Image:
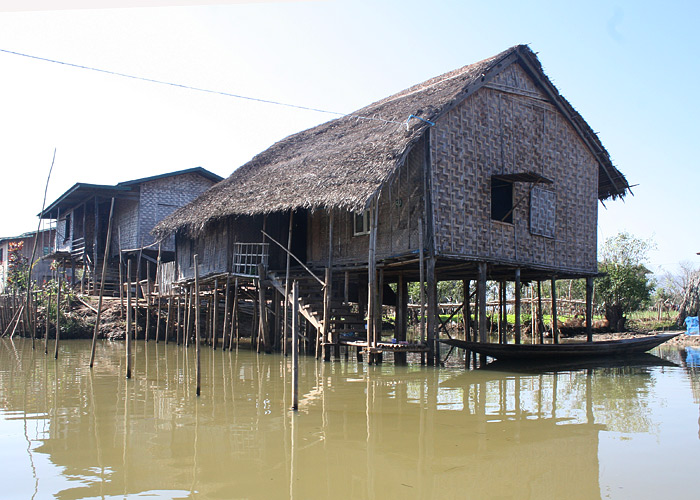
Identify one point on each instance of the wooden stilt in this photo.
(466, 318)
(234, 318)
(198, 343)
(401, 324)
(147, 331)
(482, 302)
(540, 322)
(47, 315)
(190, 315)
(225, 330)
(432, 333)
(286, 282)
(168, 318)
(517, 306)
(215, 313)
(180, 326)
(421, 276)
(295, 346)
(555, 327)
(262, 303)
(58, 314)
(326, 335)
(102, 285)
(589, 309)
(128, 318)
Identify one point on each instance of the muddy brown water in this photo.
(362, 432)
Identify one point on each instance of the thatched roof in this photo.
(344, 162)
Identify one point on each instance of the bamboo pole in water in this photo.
(214, 312)
(47, 314)
(168, 318)
(128, 318)
(295, 346)
(179, 318)
(224, 332)
(234, 316)
(148, 300)
(102, 285)
(188, 313)
(58, 315)
(196, 325)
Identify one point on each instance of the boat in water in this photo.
(568, 350)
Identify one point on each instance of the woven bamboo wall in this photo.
(509, 127)
(400, 205)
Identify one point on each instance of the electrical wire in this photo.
(199, 89)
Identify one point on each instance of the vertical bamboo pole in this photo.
(589, 309)
(517, 306)
(224, 332)
(148, 300)
(168, 319)
(188, 322)
(540, 322)
(121, 270)
(196, 325)
(421, 277)
(555, 327)
(262, 303)
(327, 317)
(47, 314)
(58, 315)
(128, 319)
(286, 282)
(102, 285)
(234, 318)
(295, 346)
(180, 326)
(482, 302)
(215, 313)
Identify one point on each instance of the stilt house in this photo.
(24, 246)
(81, 218)
(483, 173)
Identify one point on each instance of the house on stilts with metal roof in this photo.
(483, 173)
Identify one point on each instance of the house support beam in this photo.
(518, 307)
(589, 309)
(555, 327)
(401, 324)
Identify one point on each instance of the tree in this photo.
(17, 266)
(625, 284)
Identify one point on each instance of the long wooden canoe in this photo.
(621, 347)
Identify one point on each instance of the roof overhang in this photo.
(80, 193)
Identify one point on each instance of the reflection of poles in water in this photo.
(589, 396)
(294, 454)
(29, 443)
(196, 439)
(100, 463)
(126, 425)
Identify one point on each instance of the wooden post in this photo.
(555, 327)
(262, 303)
(128, 318)
(58, 314)
(540, 322)
(286, 282)
(517, 306)
(148, 300)
(466, 310)
(372, 279)
(215, 313)
(168, 318)
(121, 272)
(224, 331)
(188, 313)
(102, 285)
(327, 341)
(421, 273)
(47, 314)
(198, 346)
(180, 325)
(234, 317)
(589, 309)
(295, 346)
(433, 333)
(482, 302)
(401, 317)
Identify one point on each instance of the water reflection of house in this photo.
(41, 269)
(81, 217)
(485, 172)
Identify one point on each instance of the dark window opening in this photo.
(361, 223)
(66, 234)
(502, 200)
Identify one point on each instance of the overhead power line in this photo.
(198, 89)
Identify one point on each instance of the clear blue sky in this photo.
(630, 68)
